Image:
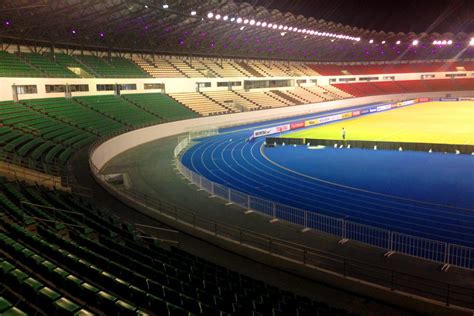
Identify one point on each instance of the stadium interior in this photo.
(133, 180)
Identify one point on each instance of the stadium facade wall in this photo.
(115, 146)
(175, 85)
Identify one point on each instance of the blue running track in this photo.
(421, 194)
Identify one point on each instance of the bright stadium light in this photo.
(415, 42)
(383, 42)
(252, 22)
(471, 43)
(165, 6)
(210, 15)
(258, 23)
(450, 42)
(246, 21)
(193, 13)
(239, 20)
(264, 24)
(398, 42)
(232, 19)
(218, 17)
(225, 18)
(270, 25)
(371, 41)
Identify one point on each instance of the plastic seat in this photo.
(64, 306)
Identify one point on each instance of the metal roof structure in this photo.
(185, 27)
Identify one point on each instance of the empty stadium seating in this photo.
(48, 66)
(232, 100)
(200, 103)
(87, 261)
(12, 66)
(162, 105)
(120, 109)
(361, 89)
(114, 68)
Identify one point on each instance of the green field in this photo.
(432, 122)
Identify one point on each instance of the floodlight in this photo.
(398, 42)
(450, 42)
(193, 13)
(239, 20)
(415, 42)
(246, 21)
(383, 42)
(210, 15)
(218, 16)
(264, 24)
(371, 41)
(258, 23)
(252, 22)
(471, 43)
(225, 18)
(165, 6)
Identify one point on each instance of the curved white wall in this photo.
(117, 145)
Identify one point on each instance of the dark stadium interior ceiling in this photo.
(327, 30)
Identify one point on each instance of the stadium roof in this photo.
(212, 28)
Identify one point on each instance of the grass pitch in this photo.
(431, 122)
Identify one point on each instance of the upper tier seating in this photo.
(12, 66)
(48, 66)
(120, 110)
(361, 89)
(186, 68)
(225, 69)
(200, 103)
(371, 69)
(115, 68)
(306, 95)
(89, 261)
(162, 105)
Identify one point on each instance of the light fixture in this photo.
(264, 24)
(471, 43)
(218, 16)
(239, 20)
(371, 41)
(165, 6)
(415, 42)
(225, 18)
(210, 15)
(398, 42)
(252, 22)
(232, 19)
(193, 13)
(246, 21)
(383, 42)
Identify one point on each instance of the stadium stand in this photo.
(360, 89)
(84, 260)
(120, 110)
(12, 66)
(200, 103)
(116, 68)
(263, 99)
(31, 133)
(47, 66)
(232, 100)
(162, 105)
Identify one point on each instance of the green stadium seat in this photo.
(63, 306)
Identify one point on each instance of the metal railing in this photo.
(372, 275)
(391, 241)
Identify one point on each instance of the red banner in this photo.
(297, 125)
(356, 113)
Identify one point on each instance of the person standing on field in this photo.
(343, 134)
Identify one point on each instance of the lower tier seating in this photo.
(86, 261)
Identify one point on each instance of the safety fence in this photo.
(372, 275)
(367, 144)
(391, 241)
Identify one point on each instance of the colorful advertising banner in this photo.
(297, 125)
(271, 130)
(330, 118)
(383, 107)
(356, 113)
(346, 115)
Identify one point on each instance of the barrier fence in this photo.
(391, 241)
(401, 282)
(367, 144)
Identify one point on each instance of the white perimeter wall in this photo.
(121, 143)
(172, 84)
